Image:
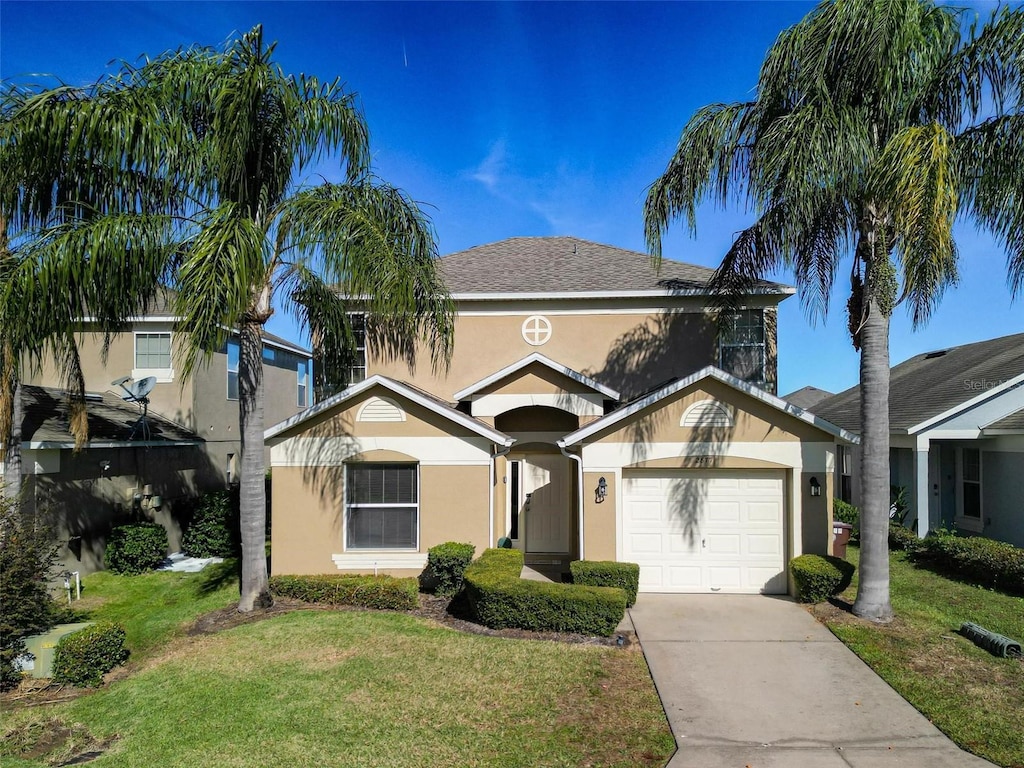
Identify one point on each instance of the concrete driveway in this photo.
(756, 682)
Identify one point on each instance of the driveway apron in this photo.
(755, 682)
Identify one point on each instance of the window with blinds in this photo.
(382, 506)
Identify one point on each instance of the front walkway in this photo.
(756, 681)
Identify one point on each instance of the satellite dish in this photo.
(119, 382)
(141, 388)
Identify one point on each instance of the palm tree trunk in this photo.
(253, 491)
(873, 587)
(12, 457)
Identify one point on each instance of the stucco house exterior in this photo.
(593, 409)
(191, 443)
(957, 438)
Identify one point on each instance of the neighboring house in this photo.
(202, 409)
(957, 438)
(807, 397)
(585, 414)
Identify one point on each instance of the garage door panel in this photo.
(723, 512)
(764, 511)
(713, 530)
(722, 544)
(764, 544)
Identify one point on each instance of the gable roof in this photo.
(1012, 423)
(45, 424)
(567, 267)
(807, 397)
(418, 396)
(708, 372)
(537, 357)
(937, 384)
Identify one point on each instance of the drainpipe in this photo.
(579, 491)
(490, 492)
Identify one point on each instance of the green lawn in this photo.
(354, 688)
(972, 696)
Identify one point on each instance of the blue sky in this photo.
(524, 119)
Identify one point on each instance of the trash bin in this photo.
(841, 533)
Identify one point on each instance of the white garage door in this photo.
(704, 531)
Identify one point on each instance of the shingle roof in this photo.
(932, 383)
(552, 265)
(1014, 421)
(110, 419)
(807, 397)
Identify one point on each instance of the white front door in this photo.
(544, 518)
(706, 531)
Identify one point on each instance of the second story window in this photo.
(742, 351)
(357, 361)
(153, 356)
(302, 375)
(232, 352)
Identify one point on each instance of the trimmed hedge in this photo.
(213, 531)
(446, 566)
(903, 539)
(382, 592)
(500, 599)
(818, 578)
(986, 562)
(845, 512)
(607, 573)
(84, 657)
(136, 548)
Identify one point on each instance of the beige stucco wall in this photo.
(754, 421)
(308, 516)
(599, 530)
(630, 352)
(535, 379)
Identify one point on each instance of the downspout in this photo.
(579, 492)
(490, 495)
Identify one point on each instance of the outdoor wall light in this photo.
(815, 487)
(601, 492)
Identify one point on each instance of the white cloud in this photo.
(492, 168)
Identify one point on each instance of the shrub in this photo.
(500, 599)
(136, 548)
(845, 512)
(903, 539)
(818, 578)
(987, 562)
(82, 658)
(213, 531)
(446, 566)
(382, 592)
(27, 556)
(607, 573)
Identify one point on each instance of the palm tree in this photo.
(65, 219)
(223, 138)
(875, 126)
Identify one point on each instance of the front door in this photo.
(545, 514)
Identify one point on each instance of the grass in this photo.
(350, 688)
(973, 697)
(154, 607)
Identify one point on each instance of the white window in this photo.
(153, 356)
(845, 474)
(381, 506)
(969, 501)
(536, 330)
(232, 352)
(356, 363)
(742, 348)
(302, 375)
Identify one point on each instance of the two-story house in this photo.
(594, 408)
(187, 444)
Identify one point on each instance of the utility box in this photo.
(38, 659)
(841, 533)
